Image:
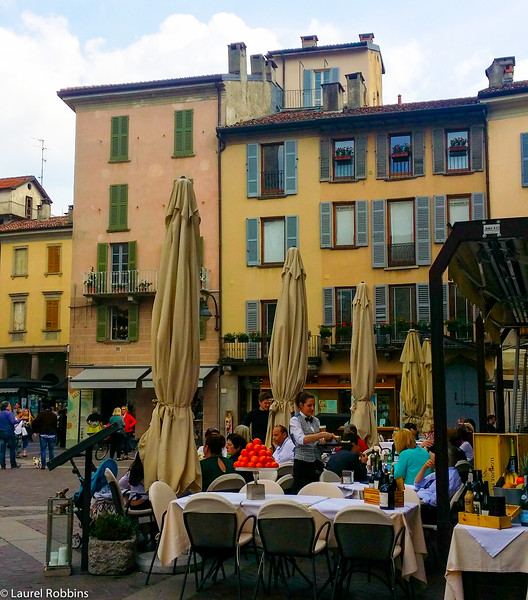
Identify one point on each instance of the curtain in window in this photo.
(458, 210)
(19, 316)
(21, 261)
(345, 225)
(402, 222)
(273, 241)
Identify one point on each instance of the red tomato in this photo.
(274, 465)
(236, 464)
(262, 453)
(259, 466)
(243, 452)
(269, 452)
(254, 460)
(251, 454)
(520, 480)
(257, 441)
(257, 447)
(249, 447)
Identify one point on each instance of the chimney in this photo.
(366, 37)
(70, 214)
(258, 65)
(399, 99)
(44, 210)
(309, 41)
(271, 70)
(356, 90)
(332, 96)
(237, 64)
(500, 72)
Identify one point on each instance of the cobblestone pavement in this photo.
(23, 496)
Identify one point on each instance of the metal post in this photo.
(499, 393)
(86, 507)
(481, 374)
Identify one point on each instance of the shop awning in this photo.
(9, 390)
(205, 370)
(108, 377)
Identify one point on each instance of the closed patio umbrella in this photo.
(288, 352)
(427, 419)
(167, 448)
(412, 392)
(363, 366)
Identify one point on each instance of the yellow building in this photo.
(35, 275)
(366, 193)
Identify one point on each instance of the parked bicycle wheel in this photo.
(102, 451)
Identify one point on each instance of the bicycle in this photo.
(102, 450)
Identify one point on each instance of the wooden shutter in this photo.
(423, 230)
(132, 266)
(252, 153)
(308, 78)
(382, 167)
(133, 322)
(54, 256)
(334, 74)
(478, 207)
(252, 242)
(290, 167)
(361, 223)
(477, 147)
(423, 312)
(102, 323)
(418, 153)
(52, 315)
(183, 132)
(114, 207)
(381, 303)
(118, 207)
(203, 328)
(379, 246)
(119, 138)
(325, 224)
(439, 158)
(524, 159)
(360, 157)
(439, 203)
(102, 267)
(328, 307)
(292, 232)
(445, 300)
(252, 324)
(325, 164)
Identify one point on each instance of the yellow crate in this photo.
(484, 521)
(371, 496)
(492, 452)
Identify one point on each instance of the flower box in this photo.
(400, 156)
(343, 157)
(457, 149)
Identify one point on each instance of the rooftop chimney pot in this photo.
(237, 64)
(332, 96)
(500, 72)
(356, 90)
(309, 41)
(366, 37)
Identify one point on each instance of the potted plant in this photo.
(383, 334)
(344, 332)
(325, 332)
(229, 337)
(242, 337)
(112, 545)
(402, 327)
(343, 153)
(465, 329)
(143, 286)
(90, 282)
(400, 152)
(255, 336)
(452, 325)
(458, 145)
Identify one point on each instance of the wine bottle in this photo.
(510, 475)
(384, 492)
(524, 506)
(485, 499)
(469, 496)
(477, 494)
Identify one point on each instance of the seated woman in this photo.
(349, 458)
(214, 464)
(466, 433)
(243, 430)
(234, 445)
(411, 457)
(133, 486)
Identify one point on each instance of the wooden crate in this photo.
(488, 521)
(492, 452)
(371, 496)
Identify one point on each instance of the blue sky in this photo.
(429, 52)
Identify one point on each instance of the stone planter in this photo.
(111, 557)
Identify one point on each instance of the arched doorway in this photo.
(461, 390)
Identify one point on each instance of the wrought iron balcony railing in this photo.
(132, 281)
(272, 182)
(402, 255)
(242, 351)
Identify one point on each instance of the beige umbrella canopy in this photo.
(427, 419)
(167, 448)
(363, 366)
(412, 392)
(288, 353)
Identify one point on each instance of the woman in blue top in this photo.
(118, 437)
(411, 457)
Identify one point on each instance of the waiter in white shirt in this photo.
(284, 447)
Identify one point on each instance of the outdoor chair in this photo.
(321, 488)
(463, 467)
(329, 476)
(365, 539)
(272, 487)
(286, 482)
(122, 506)
(230, 482)
(410, 495)
(287, 531)
(160, 496)
(285, 468)
(211, 524)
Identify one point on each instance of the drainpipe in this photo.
(220, 147)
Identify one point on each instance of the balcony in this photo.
(256, 352)
(272, 183)
(402, 255)
(112, 283)
(295, 99)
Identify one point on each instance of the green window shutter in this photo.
(360, 157)
(292, 232)
(114, 207)
(119, 139)
(478, 207)
(118, 214)
(252, 242)
(325, 224)
(439, 219)
(422, 216)
(290, 167)
(328, 307)
(379, 246)
(422, 303)
(325, 166)
(132, 266)
(361, 223)
(252, 167)
(202, 328)
(382, 168)
(183, 132)
(133, 322)
(439, 152)
(381, 303)
(102, 257)
(418, 153)
(102, 320)
(524, 159)
(477, 147)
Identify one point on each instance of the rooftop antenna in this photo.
(42, 159)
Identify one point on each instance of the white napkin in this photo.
(494, 540)
(234, 497)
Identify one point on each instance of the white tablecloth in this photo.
(466, 554)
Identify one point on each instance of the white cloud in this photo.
(406, 72)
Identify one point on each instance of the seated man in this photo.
(214, 464)
(349, 460)
(284, 447)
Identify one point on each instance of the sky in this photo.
(429, 53)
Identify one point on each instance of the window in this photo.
(343, 224)
(18, 314)
(402, 309)
(117, 324)
(268, 309)
(54, 259)
(458, 150)
(122, 275)
(183, 133)
(460, 322)
(451, 209)
(401, 250)
(400, 155)
(119, 266)
(29, 207)
(343, 159)
(271, 169)
(119, 139)
(118, 208)
(52, 306)
(337, 310)
(312, 80)
(458, 209)
(457, 143)
(268, 239)
(20, 262)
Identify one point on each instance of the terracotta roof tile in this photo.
(35, 224)
(518, 87)
(9, 183)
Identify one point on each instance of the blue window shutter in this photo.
(360, 157)
(325, 224)
(325, 164)
(476, 147)
(361, 223)
(252, 324)
(290, 167)
(422, 217)
(382, 169)
(445, 300)
(524, 159)
(334, 74)
(252, 242)
(478, 206)
(379, 246)
(328, 307)
(308, 87)
(418, 153)
(439, 152)
(381, 304)
(439, 219)
(292, 232)
(422, 303)
(252, 152)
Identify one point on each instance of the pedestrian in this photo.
(117, 438)
(45, 424)
(492, 428)
(257, 418)
(130, 423)
(27, 432)
(7, 435)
